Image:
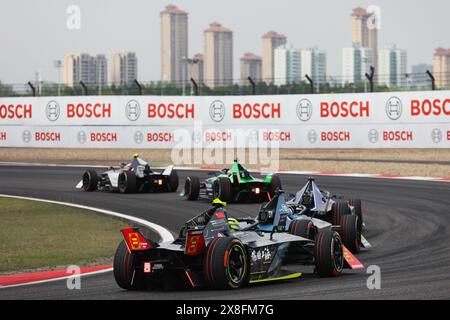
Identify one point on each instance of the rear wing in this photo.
(135, 241)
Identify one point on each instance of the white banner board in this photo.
(370, 120)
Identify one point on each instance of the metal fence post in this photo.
(85, 89)
(370, 77)
(433, 81)
(311, 82)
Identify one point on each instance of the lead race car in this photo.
(133, 177)
(215, 251)
(232, 185)
(314, 209)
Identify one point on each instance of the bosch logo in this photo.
(52, 111)
(304, 110)
(312, 136)
(436, 135)
(394, 108)
(138, 137)
(373, 136)
(133, 110)
(26, 136)
(82, 137)
(217, 111)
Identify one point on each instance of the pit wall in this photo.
(371, 120)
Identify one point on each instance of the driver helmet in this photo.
(136, 155)
(233, 224)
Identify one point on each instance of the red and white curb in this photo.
(29, 278)
(13, 280)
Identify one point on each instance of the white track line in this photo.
(166, 235)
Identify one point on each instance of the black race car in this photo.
(213, 251)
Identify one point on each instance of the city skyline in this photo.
(247, 36)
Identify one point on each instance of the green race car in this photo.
(232, 185)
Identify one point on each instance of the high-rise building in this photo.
(441, 68)
(251, 66)
(174, 44)
(91, 69)
(196, 68)
(419, 77)
(314, 64)
(365, 32)
(218, 56)
(124, 68)
(270, 41)
(287, 66)
(392, 67)
(356, 62)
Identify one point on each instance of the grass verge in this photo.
(36, 235)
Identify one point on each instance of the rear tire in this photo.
(275, 184)
(125, 273)
(90, 181)
(351, 237)
(127, 182)
(226, 264)
(302, 228)
(222, 189)
(340, 208)
(329, 258)
(173, 181)
(192, 188)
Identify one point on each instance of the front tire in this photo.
(302, 228)
(339, 209)
(351, 237)
(328, 254)
(127, 182)
(125, 272)
(275, 184)
(357, 204)
(90, 181)
(226, 264)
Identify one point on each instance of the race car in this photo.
(135, 177)
(319, 209)
(232, 185)
(215, 251)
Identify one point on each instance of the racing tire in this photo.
(90, 181)
(351, 237)
(357, 204)
(275, 184)
(125, 272)
(173, 181)
(328, 254)
(303, 228)
(127, 182)
(192, 188)
(222, 189)
(339, 209)
(226, 263)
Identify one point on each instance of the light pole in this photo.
(58, 66)
(183, 71)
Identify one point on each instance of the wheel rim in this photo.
(237, 264)
(337, 253)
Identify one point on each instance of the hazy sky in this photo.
(33, 33)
